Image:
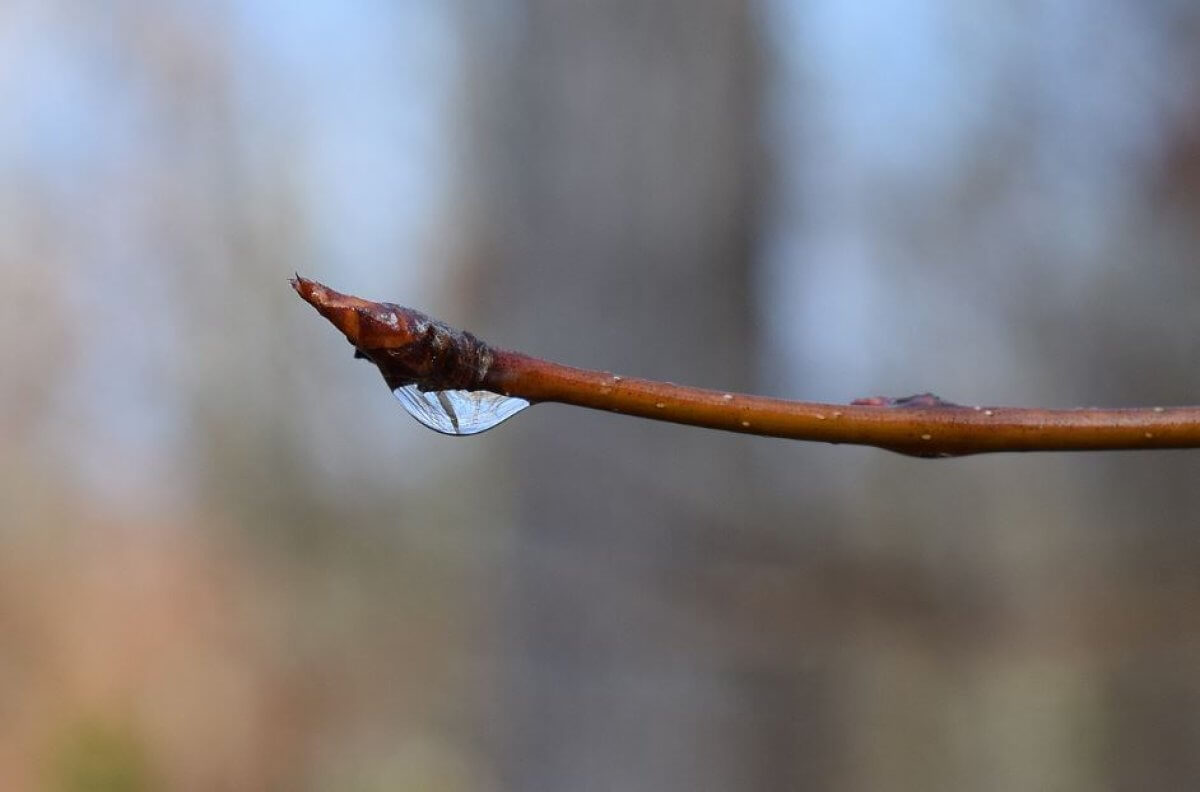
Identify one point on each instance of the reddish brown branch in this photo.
(410, 348)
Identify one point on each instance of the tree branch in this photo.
(410, 348)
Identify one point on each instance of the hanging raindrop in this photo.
(458, 412)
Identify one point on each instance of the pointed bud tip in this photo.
(303, 286)
(317, 294)
(342, 310)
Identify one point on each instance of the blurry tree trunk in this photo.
(620, 149)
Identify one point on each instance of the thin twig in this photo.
(411, 348)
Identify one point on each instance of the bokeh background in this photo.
(229, 561)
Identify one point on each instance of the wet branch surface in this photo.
(410, 348)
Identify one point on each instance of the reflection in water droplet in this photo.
(458, 412)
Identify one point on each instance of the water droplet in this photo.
(659, 405)
(746, 424)
(926, 437)
(458, 412)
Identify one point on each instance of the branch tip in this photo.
(410, 348)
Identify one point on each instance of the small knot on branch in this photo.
(916, 400)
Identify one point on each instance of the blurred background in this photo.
(230, 561)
